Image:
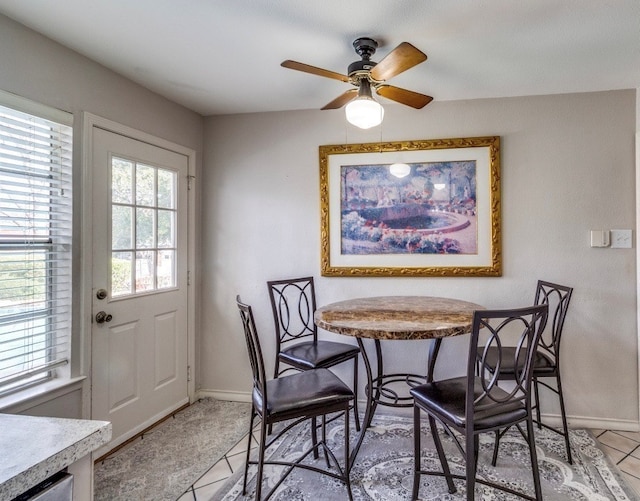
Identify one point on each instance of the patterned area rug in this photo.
(383, 469)
(173, 455)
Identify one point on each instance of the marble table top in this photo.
(398, 317)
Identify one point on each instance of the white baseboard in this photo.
(593, 423)
(232, 396)
(590, 423)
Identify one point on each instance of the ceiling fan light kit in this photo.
(362, 110)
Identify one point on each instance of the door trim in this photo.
(82, 356)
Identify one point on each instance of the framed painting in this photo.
(411, 208)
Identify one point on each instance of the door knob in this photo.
(102, 317)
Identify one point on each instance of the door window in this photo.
(143, 232)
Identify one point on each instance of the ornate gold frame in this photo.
(492, 266)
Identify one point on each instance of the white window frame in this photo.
(52, 372)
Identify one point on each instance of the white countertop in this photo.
(34, 448)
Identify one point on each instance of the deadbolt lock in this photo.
(101, 293)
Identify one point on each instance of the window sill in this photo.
(20, 401)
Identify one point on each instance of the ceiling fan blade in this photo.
(294, 65)
(404, 96)
(400, 59)
(341, 100)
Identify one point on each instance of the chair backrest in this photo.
(293, 302)
(497, 328)
(557, 297)
(254, 350)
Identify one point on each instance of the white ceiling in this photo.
(223, 56)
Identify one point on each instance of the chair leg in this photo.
(314, 436)
(472, 453)
(347, 467)
(355, 392)
(476, 449)
(276, 373)
(443, 459)
(496, 446)
(564, 418)
(537, 397)
(261, 451)
(246, 463)
(416, 452)
(534, 460)
(324, 440)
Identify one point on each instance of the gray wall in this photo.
(34, 67)
(568, 166)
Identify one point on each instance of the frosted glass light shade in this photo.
(364, 112)
(400, 170)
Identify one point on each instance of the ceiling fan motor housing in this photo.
(360, 66)
(365, 47)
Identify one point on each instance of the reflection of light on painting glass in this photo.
(439, 186)
(400, 170)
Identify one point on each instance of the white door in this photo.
(139, 324)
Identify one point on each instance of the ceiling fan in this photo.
(366, 75)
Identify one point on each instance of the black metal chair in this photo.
(473, 404)
(293, 302)
(546, 363)
(294, 398)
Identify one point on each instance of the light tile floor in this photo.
(214, 478)
(622, 448)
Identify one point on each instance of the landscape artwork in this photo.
(427, 208)
(411, 208)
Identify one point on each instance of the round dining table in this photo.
(395, 318)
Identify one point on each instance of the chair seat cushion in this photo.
(310, 355)
(310, 393)
(447, 399)
(542, 363)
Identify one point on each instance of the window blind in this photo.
(35, 244)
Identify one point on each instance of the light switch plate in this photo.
(599, 238)
(621, 239)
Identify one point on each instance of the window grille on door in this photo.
(143, 228)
